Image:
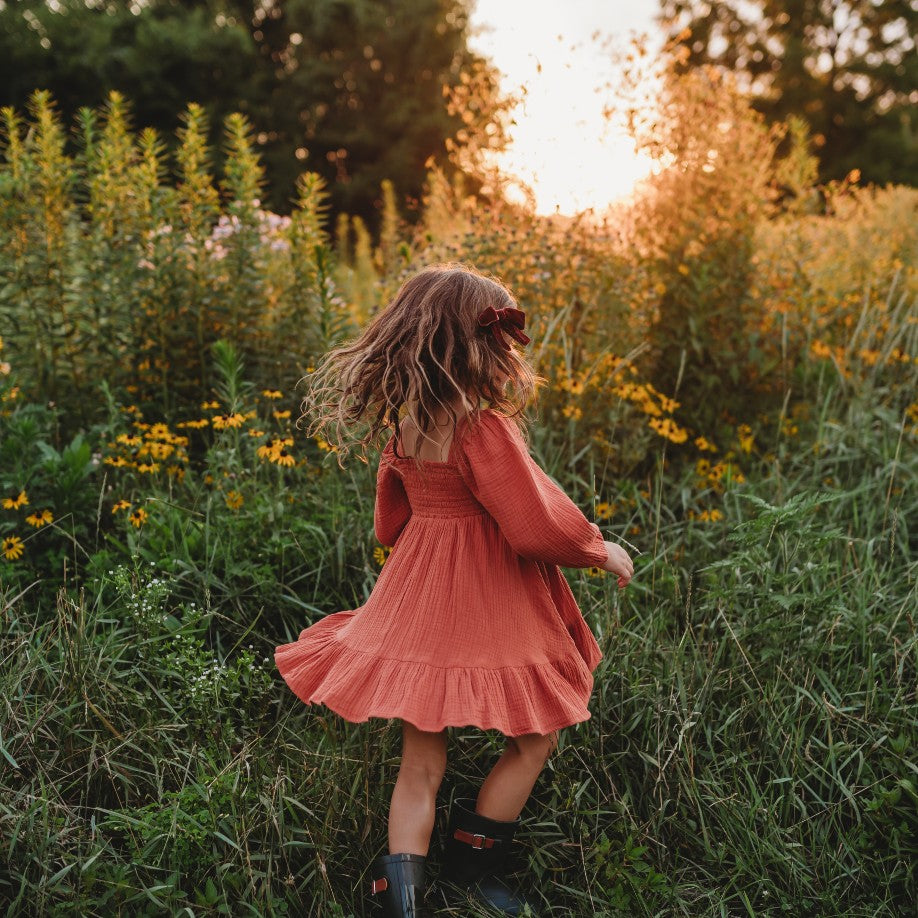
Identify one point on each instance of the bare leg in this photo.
(507, 788)
(413, 808)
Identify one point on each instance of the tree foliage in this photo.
(848, 66)
(350, 89)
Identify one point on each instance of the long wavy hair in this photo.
(424, 350)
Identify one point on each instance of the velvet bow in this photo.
(508, 319)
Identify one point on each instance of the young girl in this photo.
(470, 622)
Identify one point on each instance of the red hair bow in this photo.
(510, 319)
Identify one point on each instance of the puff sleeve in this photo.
(392, 509)
(536, 517)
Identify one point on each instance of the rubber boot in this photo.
(397, 884)
(475, 859)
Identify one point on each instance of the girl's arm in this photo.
(537, 518)
(392, 509)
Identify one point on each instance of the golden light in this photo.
(564, 146)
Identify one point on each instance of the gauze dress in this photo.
(470, 622)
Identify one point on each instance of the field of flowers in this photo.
(731, 381)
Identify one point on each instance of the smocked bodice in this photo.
(437, 491)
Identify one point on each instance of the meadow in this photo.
(730, 378)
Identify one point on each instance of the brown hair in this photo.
(424, 347)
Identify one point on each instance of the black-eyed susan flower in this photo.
(380, 553)
(12, 548)
(596, 572)
(704, 444)
(669, 429)
(281, 415)
(272, 393)
(234, 500)
(159, 431)
(604, 510)
(224, 421)
(138, 517)
(14, 503)
(129, 439)
(147, 468)
(746, 438)
(208, 479)
(121, 505)
(283, 458)
(210, 405)
(116, 461)
(256, 433)
(40, 518)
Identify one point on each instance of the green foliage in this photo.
(847, 68)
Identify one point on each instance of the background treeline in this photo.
(350, 89)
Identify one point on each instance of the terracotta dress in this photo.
(470, 623)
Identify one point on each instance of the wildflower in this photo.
(12, 548)
(596, 572)
(129, 440)
(283, 458)
(322, 444)
(203, 422)
(208, 478)
(208, 405)
(604, 510)
(138, 517)
(234, 500)
(669, 404)
(14, 503)
(256, 433)
(40, 519)
(667, 428)
(573, 412)
(116, 461)
(281, 415)
(704, 444)
(121, 505)
(684, 270)
(159, 431)
(147, 467)
(272, 393)
(380, 553)
(222, 421)
(746, 438)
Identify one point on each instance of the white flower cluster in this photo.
(271, 233)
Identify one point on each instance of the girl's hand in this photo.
(619, 562)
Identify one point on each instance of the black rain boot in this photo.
(475, 856)
(398, 880)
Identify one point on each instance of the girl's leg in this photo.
(507, 788)
(413, 808)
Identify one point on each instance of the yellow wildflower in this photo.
(129, 440)
(208, 405)
(14, 503)
(39, 519)
(604, 510)
(380, 553)
(12, 548)
(256, 433)
(222, 421)
(746, 438)
(272, 393)
(203, 422)
(281, 415)
(121, 505)
(234, 500)
(138, 517)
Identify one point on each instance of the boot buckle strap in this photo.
(379, 885)
(476, 840)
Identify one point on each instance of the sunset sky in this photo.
(563, 147)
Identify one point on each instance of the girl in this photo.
(470, 622)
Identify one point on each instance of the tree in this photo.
(847, 66)
(351, 89)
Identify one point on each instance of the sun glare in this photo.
(565, 148)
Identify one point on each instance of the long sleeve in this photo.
(536, 517)
(392, 509)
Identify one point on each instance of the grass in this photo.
(750, 750)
